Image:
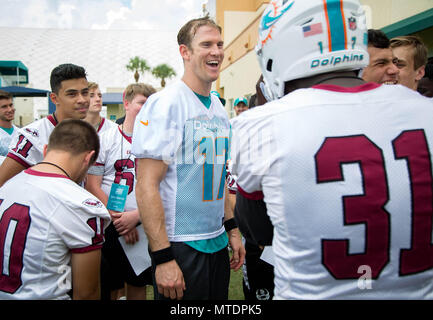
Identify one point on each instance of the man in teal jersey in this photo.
(181, 142)
(7, 114)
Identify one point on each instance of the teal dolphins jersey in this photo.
(5, 139)
(174, 126)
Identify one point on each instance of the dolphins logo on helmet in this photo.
(268, 21)
(271, 16)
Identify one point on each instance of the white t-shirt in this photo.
(175, 126)
(27, 145)
(45, 217)
(346, 177)
(105, 125)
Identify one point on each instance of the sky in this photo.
(99, 14)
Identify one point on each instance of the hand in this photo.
(169, 280)
(113, 214)
(125, 222)
(238, 256)
(131, 237)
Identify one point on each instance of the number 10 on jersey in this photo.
(214, 153)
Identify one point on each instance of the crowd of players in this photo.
(330, 177)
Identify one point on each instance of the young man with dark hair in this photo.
(8, 129)
(344, 166)
(70, 94)
(52, 230)
(181, 141)
(382, 66)
(411, 54)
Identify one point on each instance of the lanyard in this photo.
(55, 165)
(121, 151)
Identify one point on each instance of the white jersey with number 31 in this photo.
(346, 175)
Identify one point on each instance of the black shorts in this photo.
(258, 282)
(115, 266)
(253, 220)
(206, 275)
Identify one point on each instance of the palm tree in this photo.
(163, 71)
(137, 64)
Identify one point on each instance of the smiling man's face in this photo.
(382, 68)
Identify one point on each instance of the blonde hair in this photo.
(188, 31)
(419, 49)
(137, 88)
(92, 85)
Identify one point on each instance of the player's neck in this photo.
(6, 124)
(59, 116)
(197, 85)
(94, 118)
(128, 125)
(63, 163)
(55, 165)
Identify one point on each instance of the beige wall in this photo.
(23, 111)
(115, 110)
(240, 79)
(235, 23)
(232, 16)
(114, 89)
(386, 12)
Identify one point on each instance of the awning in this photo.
(25, 92)
(416, 23)
(30, 92)
(14, 72)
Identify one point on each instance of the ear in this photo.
(88, 156)
(184, 52)
(53, 97)
(45, 150)
(420, 73)
(125, 104)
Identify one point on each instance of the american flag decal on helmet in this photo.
(312, 29)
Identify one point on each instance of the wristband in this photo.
(230, 224)
(162, 256)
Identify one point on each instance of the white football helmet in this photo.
(302, 38)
